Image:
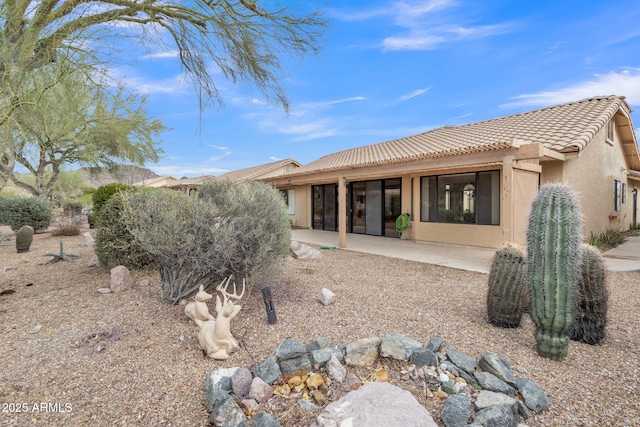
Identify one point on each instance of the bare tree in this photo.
(243, 39)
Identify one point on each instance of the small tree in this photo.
(197, 240)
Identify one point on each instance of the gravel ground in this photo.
(127, 359)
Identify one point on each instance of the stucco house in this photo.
(474, 184)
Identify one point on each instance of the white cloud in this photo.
(413, 94)
(331, 102)
(171, 54)
(145, 85)
(625, 83)
(224, 152)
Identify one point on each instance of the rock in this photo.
(121, 279)
(434, 344)
(264, 419)
(302, 251)
(490, 398)
(319, 397)
(492, 383)
(498, 366)
(375, 404)
(335, 370)
(289, 349)
(462, 361)
(104, 290)
(260, 391)
(497, 416)
(93, 261)
(268, 371)
(217, 385)
(296, 366)
(317, 344)
(5, 269)
(326, 296)
(533, 396)
(307, 405)
(398, 346)
(241, 382)
(362, 352)
(144, 282)
(315, 381)
(449, 387)
(250, 405)
(228, 414)
(35, 329)
(319, 358)
(87, 239)
(423, 357)
(456, 411)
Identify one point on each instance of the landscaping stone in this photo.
(335, 370)
(241, 382)
(264, 419)
(87, 239)
(434, 344)
(144, 282)
(301, 251)
(320, 357)
(93, 261)
(497, 365)
(362, 352)
(307, 404)
(462, 361)
(121, 279)
(318, 343)
(228, 414)
(375, 404)
(497, 416)
(490, 398)
(295, 366)
(327, 296)
(423, 357)
(456, 411)
(217, 385)
(268, 370)
(260, 391)
(492, 383)
(290, 349)
(533, 396)
(398, 346)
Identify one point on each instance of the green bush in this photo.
(226, 229)
(609, 237)
(71, 208)
(114, 245)
(32, 211)
(104, 193)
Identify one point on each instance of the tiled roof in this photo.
(257, 171)
(563, 128)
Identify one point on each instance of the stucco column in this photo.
(342, 213)
(507, 206)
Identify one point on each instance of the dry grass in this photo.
(127, 359)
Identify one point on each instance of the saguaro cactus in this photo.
(553, 262)
(507, 287)
(592, 296)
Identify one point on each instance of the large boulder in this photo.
(376, 404)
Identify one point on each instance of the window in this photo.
(624, 193)
(289, 200)
(471, 198)
(617, 195)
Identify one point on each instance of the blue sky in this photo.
(390, 69)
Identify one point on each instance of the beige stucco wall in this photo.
(591, 175)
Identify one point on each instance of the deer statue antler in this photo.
(222, 288)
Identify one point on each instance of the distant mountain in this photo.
(125, 174)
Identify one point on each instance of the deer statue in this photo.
(198, 310)
(215, 335)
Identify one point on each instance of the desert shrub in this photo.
(69, 226)
(609, 237)
(198, 239)
(104, 193)
(19, 211)
(72, 207)
(114, 245)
